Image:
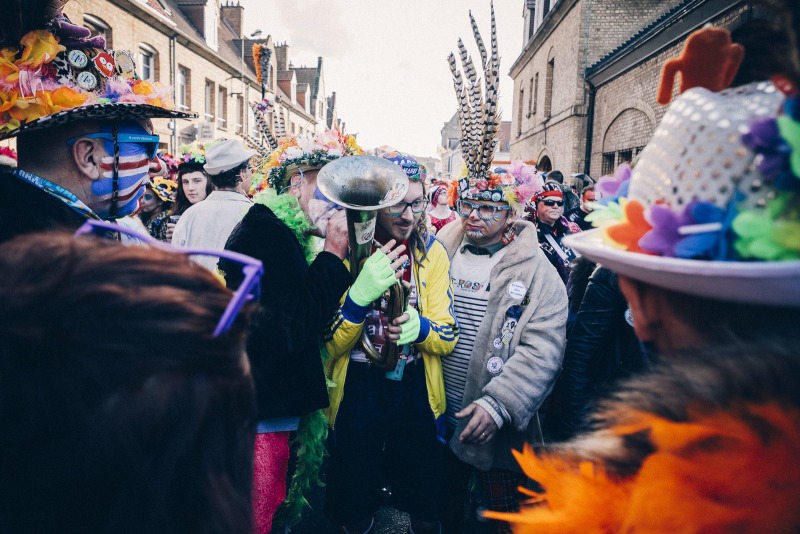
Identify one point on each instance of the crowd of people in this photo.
(184, 339)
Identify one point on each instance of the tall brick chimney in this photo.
(282, 56)
(233, 15)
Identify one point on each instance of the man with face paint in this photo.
(389, 421)
(511, 308)
(84, 150)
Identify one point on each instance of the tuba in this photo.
(363, 185)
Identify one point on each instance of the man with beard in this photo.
(387, 421)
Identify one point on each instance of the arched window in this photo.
(544, 164)
(148, 62)
(98, 27)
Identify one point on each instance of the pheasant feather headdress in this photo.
(479, 117)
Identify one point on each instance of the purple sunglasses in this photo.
(249, 289)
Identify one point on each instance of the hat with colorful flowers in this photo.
(517, 186)
(712, 208)
(164, 188)
(301, 154)
(53, 72)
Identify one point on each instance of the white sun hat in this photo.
(713, 208)
(226, 155)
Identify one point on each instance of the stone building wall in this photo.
(626, 112)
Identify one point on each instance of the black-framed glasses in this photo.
(417, 207)
(551, 202)
(249, 289)
(487, 212)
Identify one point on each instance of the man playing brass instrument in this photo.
(389, 421)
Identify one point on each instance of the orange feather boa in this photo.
(719, 472)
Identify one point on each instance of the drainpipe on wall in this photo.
(172, 71)
(589, 128)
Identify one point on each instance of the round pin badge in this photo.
(495, 365)
(87, 80)
(496, 197)
(77, 58)
(516, 290)
(497, 342)
(629, 316)
(124, 64)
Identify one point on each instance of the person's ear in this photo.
(645, 314)
(87, 155)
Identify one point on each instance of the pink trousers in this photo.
(270, 462)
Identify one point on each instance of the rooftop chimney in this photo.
(233, 15)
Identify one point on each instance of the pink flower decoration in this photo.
(608, 186)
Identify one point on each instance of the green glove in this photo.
(410, 328)
(375, 278)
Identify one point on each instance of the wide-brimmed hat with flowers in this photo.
(713, 206)
(53, 72)
(303, 153)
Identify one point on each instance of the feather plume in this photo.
(478, 40)
(280, 124)
(263, 127)
(478, 113)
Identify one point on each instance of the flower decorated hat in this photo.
(164, 188)
(53, 72)
(301, 154)
(712, 208)
(479, 119)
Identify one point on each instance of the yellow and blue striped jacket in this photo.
(438, 332)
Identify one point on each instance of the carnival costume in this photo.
(708, 442)
(300, 293)
(390, 421)
(156, 224)
(509, 302)
(551, 236)
(53, 73)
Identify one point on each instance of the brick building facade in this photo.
(585, 82)
(198, 47)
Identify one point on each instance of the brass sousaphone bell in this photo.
(363, 185)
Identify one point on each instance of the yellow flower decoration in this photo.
(7, 101)
(9, 125)
(9, 72)
(40, 46)
(65, 98)
(29, 110)
(143, 88)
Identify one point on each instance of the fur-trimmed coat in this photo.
(532, 359)
(709, 442)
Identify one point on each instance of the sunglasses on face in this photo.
(149, 142)
(417, 207)
(551, 203)
(249, 289)
(486, 212)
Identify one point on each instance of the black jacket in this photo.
(602, 348)
(25, 208)
(297, 302)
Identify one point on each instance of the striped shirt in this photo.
(470, 274)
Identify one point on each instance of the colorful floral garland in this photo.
(517, 186)
(305, 151)
(42, 76)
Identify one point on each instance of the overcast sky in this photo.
(387, 59)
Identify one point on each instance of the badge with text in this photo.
(516, 290)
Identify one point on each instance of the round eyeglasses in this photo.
(487, 212)
(417, 207)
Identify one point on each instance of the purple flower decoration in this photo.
(661, 240)
(764, 138)
(695, 232)
(74, 36)
(609, 186)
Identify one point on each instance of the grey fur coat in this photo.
(531, 361)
